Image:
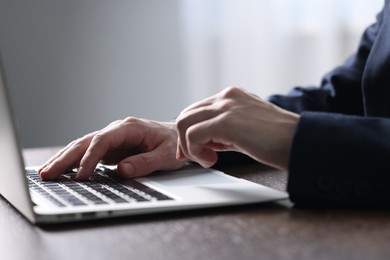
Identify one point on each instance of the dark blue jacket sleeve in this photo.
(340, 159)
(341, 89)
(340, 155)
(342, 141)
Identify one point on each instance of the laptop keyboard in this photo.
(103, 187)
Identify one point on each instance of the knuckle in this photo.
(134, 121)
(98, 138)
(79, 142)
(231, 92)
(227, 104)
(180, 123)
(148, 162)
(115, 122)
(130, 120)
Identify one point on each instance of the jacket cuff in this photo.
(340, 159)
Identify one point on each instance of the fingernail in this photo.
(204, 165)
(43, 170)
(78, 176)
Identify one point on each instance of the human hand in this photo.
(138, 146)
(235, 120)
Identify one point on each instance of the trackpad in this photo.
(200, 177)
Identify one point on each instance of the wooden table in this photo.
(262, 231)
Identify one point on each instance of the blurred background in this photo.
(74, 66)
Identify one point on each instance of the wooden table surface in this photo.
(263, 231)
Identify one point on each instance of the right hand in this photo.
(138, 146)
(236, 120)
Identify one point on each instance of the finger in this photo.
(205, 139)
(228, 93)
(99, 146)
(66, 159)
(146, 163)
(188, 119)
(71, 146)
(202, 103)
(109, 139)
(55, 156)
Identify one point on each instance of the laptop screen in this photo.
(13, 184)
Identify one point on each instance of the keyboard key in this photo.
(104, 187)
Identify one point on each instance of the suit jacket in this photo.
(341, 148)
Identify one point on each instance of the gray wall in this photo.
(74, 66)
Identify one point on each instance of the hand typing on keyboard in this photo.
(232, 120)
(139, 147)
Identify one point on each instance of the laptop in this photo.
(106, 195)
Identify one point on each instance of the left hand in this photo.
(137, 146)
(235, 120)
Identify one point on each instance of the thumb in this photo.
(143, 164)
